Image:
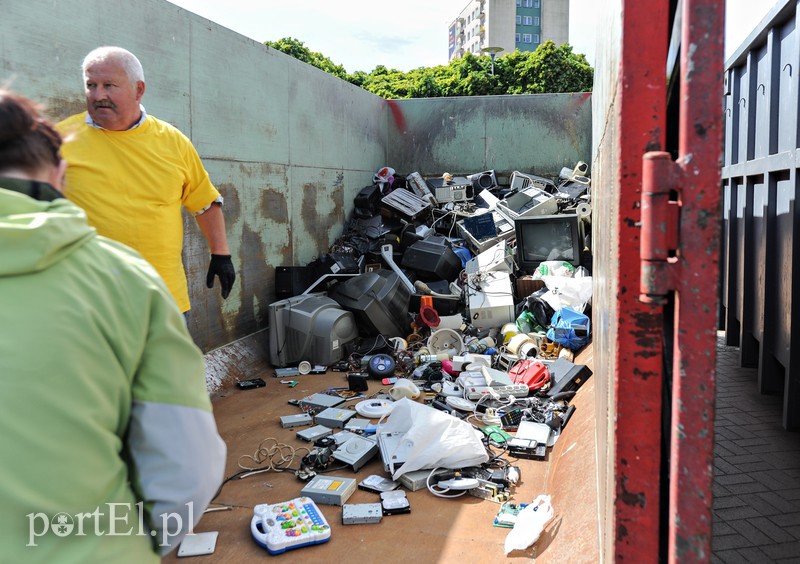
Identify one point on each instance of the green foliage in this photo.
(549, 69)
(298, 50)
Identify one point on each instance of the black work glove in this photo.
(221, 266)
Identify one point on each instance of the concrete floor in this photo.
(756, 470)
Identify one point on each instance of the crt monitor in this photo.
(547, 237)
(379, 301)
(309, 327)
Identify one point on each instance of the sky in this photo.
(361, 34)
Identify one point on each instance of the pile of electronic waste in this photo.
(445, 265)
(465, 298)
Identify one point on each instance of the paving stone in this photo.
(721, 528)
(731, 556)
(785, 520)
(731, 479)
(732, 513)
(753, 554)
(755, 468)
(742, 489)
(732, 447)
(777, 534)
(722, 452)
(727, 542)
(794, 531)
(784, 505)
(776, 480)
(756, 487)
(721, 467)
(723, 502)
(762, 506)
(787, 550)
(750, 532)
(744, 459)
(718, 490)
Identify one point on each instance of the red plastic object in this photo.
(427, 313)
(532, 373)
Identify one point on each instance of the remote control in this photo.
(290, 524)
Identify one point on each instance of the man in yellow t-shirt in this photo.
(132, 172)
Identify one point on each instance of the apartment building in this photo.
(509, 25)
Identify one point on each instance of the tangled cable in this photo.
(276, 456)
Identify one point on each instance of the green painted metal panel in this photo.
(538, 133)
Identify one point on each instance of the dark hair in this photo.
(27, 140)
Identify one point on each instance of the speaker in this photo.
(381, 366)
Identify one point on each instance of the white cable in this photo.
(440, 493)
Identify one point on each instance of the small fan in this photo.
(445, 341)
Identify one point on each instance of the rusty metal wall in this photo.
(539, 133)
(761, 227)
(288, 145)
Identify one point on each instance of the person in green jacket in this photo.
(109, 448)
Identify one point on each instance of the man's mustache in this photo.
(105, 105)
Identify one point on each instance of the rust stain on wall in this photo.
(59, 108)
(274, 206)
(232, 208)
(257, 280)
(320, 222)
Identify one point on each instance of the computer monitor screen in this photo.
(547, 237)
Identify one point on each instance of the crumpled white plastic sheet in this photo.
(529, 524)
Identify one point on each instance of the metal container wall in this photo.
(288, 145)
(538, 133)
(760, 295)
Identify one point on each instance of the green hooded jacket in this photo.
(108, 433)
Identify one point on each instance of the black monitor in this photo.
(378, 300)
(547, 237)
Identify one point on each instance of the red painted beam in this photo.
(694, 366)
(639, 327)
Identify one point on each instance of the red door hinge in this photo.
(661, 183)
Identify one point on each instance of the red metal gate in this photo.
(680, 207)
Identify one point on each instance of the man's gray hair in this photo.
(131, 65)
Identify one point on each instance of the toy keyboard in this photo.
(290, 524)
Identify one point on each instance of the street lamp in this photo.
(492, 51)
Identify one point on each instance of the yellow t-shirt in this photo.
(132, 185)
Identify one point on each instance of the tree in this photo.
(298, 50)
(552, 69)
(549, 68)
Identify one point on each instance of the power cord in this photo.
(278, 458)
